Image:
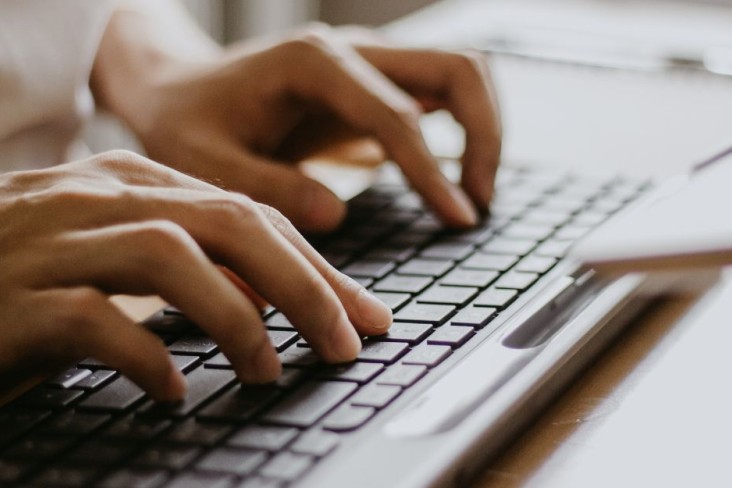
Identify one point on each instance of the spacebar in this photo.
(309, 403)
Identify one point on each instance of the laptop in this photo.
(490, 325)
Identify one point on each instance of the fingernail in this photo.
(345, 344)
(466, 213)
(373, 312)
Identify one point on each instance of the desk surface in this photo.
(654, 410)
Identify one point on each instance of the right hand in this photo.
(118, 223)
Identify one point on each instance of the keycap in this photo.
(286, 466)
(315, 442)
(369, 269)
(118, 395)
(403, 284)
(65, 476)
(309, 403)
(263, 437)
(405, 332)
(496, 262)
(522, 230)
(258, 482)
(95, 380)
(393, 254)
(37, 448)
(196, 345)
(73, 423)
(167, 456)
(536, 264)
(356, 372)
(453, 336)
(347, 417)
(184, 363)
(281, 339)
(291, 377)
(393, 300)
(69, 378)
(50, 398)
(425, 267)
(425, 313)
(135, 428)
(571, 232)
(278, 321)
(469, 277)
(506, 245)
(516, 280)
(454, 251)
(381, 352)
(476, 317)
(553, 248)
(203, 383)
(375, 395)
(218, 361)
(101, 452)
(232, 460)
(495, 298)
(12, 471)
(238, 404)
(427, 355)
(139, 478)
(447, 295)
(192, 432)
(299, 357)
(402, 375)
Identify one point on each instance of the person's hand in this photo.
(118, 223)
(230, 120)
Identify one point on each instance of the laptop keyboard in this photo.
(89, 426)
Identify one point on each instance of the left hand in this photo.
(227, 120)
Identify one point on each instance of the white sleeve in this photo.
(47, 48)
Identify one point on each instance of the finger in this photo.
(161, 258)
(463, 84)
(362, 96)
(85, 321)
(308, 203)
(367, 313)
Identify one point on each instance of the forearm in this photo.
(143, 44)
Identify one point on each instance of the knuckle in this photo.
(277, 219)
(162, 239)
(235, 211)
(120, 159)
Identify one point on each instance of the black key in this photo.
(496, 262)
(369, 269)
(377, 396)
(291, 377)
(12, 471)
(280, 339)
(101, 452)
(356, 372)
(393, 300)
(48, 398)
(15, 423)
(96, 379)
(239, 404)
(74, 423)
(447, 295)
(278, 321)
(405, 332)
(37, 448)
(424, 313)
(495, 298)
(299, 357)
(232, 460)
(118, 395)
(263, 437)
(218, 361)
(382, 352)
(93, 363)
(348, 417)
(506, 245)
(164, 456)
(516, 280)
(452, 336)
(536, 264)
(309, 403)
(402, 375)
(316, 443)
(454, 251)
(427, 355)
(134, 428)
(194, 345)
(287, 466)
(476, 317)
(203, 383)
(403, 284)
(139, 478)
(469, 277)
(65, 477)
(426, 267)
(184, 363)
(69, 378)
(193, 432)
